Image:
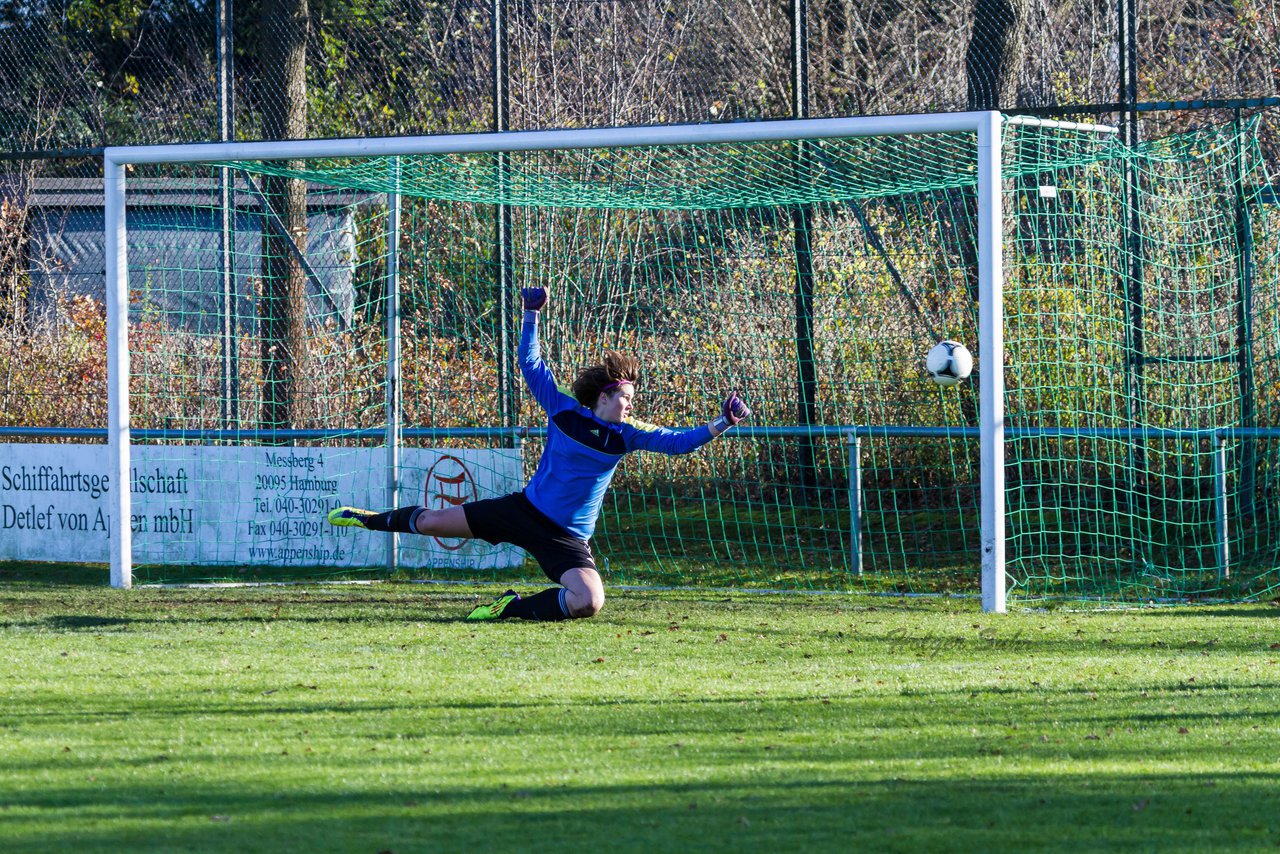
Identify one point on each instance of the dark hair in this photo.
(616, 368)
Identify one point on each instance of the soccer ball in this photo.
(948, 362)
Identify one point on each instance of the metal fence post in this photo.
(393, 358)
(1248, 451)
(226, 192)
(854, 442)
(1220, 503)
(502, 239)
(802, 240)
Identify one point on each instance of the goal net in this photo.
(309, 327)
(1140, 338)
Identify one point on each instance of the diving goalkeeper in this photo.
(588, 433)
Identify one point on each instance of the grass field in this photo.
(371, 718)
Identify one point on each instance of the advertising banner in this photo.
(258, 506)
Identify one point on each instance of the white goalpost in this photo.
(985, 126)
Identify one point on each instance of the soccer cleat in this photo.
(349, 517)
(493, 611)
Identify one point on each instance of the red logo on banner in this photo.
(449, 484)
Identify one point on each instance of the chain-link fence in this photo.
(77, 74)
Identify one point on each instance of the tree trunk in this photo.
(993, 62)
(994, 57)
(283, 307)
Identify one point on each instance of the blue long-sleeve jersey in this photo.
(582, 451)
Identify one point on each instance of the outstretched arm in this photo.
(643, 437)
(535, 371)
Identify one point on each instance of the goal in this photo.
(334, 321)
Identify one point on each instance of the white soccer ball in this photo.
(949, 362)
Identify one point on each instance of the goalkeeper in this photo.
(553, 518)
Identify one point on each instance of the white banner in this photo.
(242, 506)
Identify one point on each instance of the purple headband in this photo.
(612, 386)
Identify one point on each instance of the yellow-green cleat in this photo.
(349, 517)
(493, 611)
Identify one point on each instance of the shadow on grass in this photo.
(1009, 718)
(1269, 610)
(85, 622)
(762, 810)
(59, 574)
(750, 624)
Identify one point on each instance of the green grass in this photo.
(370, 718)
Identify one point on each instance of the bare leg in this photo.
(585, 592)
(450, 522)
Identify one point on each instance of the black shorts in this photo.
(513, 519)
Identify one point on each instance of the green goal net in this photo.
(1142, 353)
(308, 333)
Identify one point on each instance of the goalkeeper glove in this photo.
(733, 411)
(535, 299)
